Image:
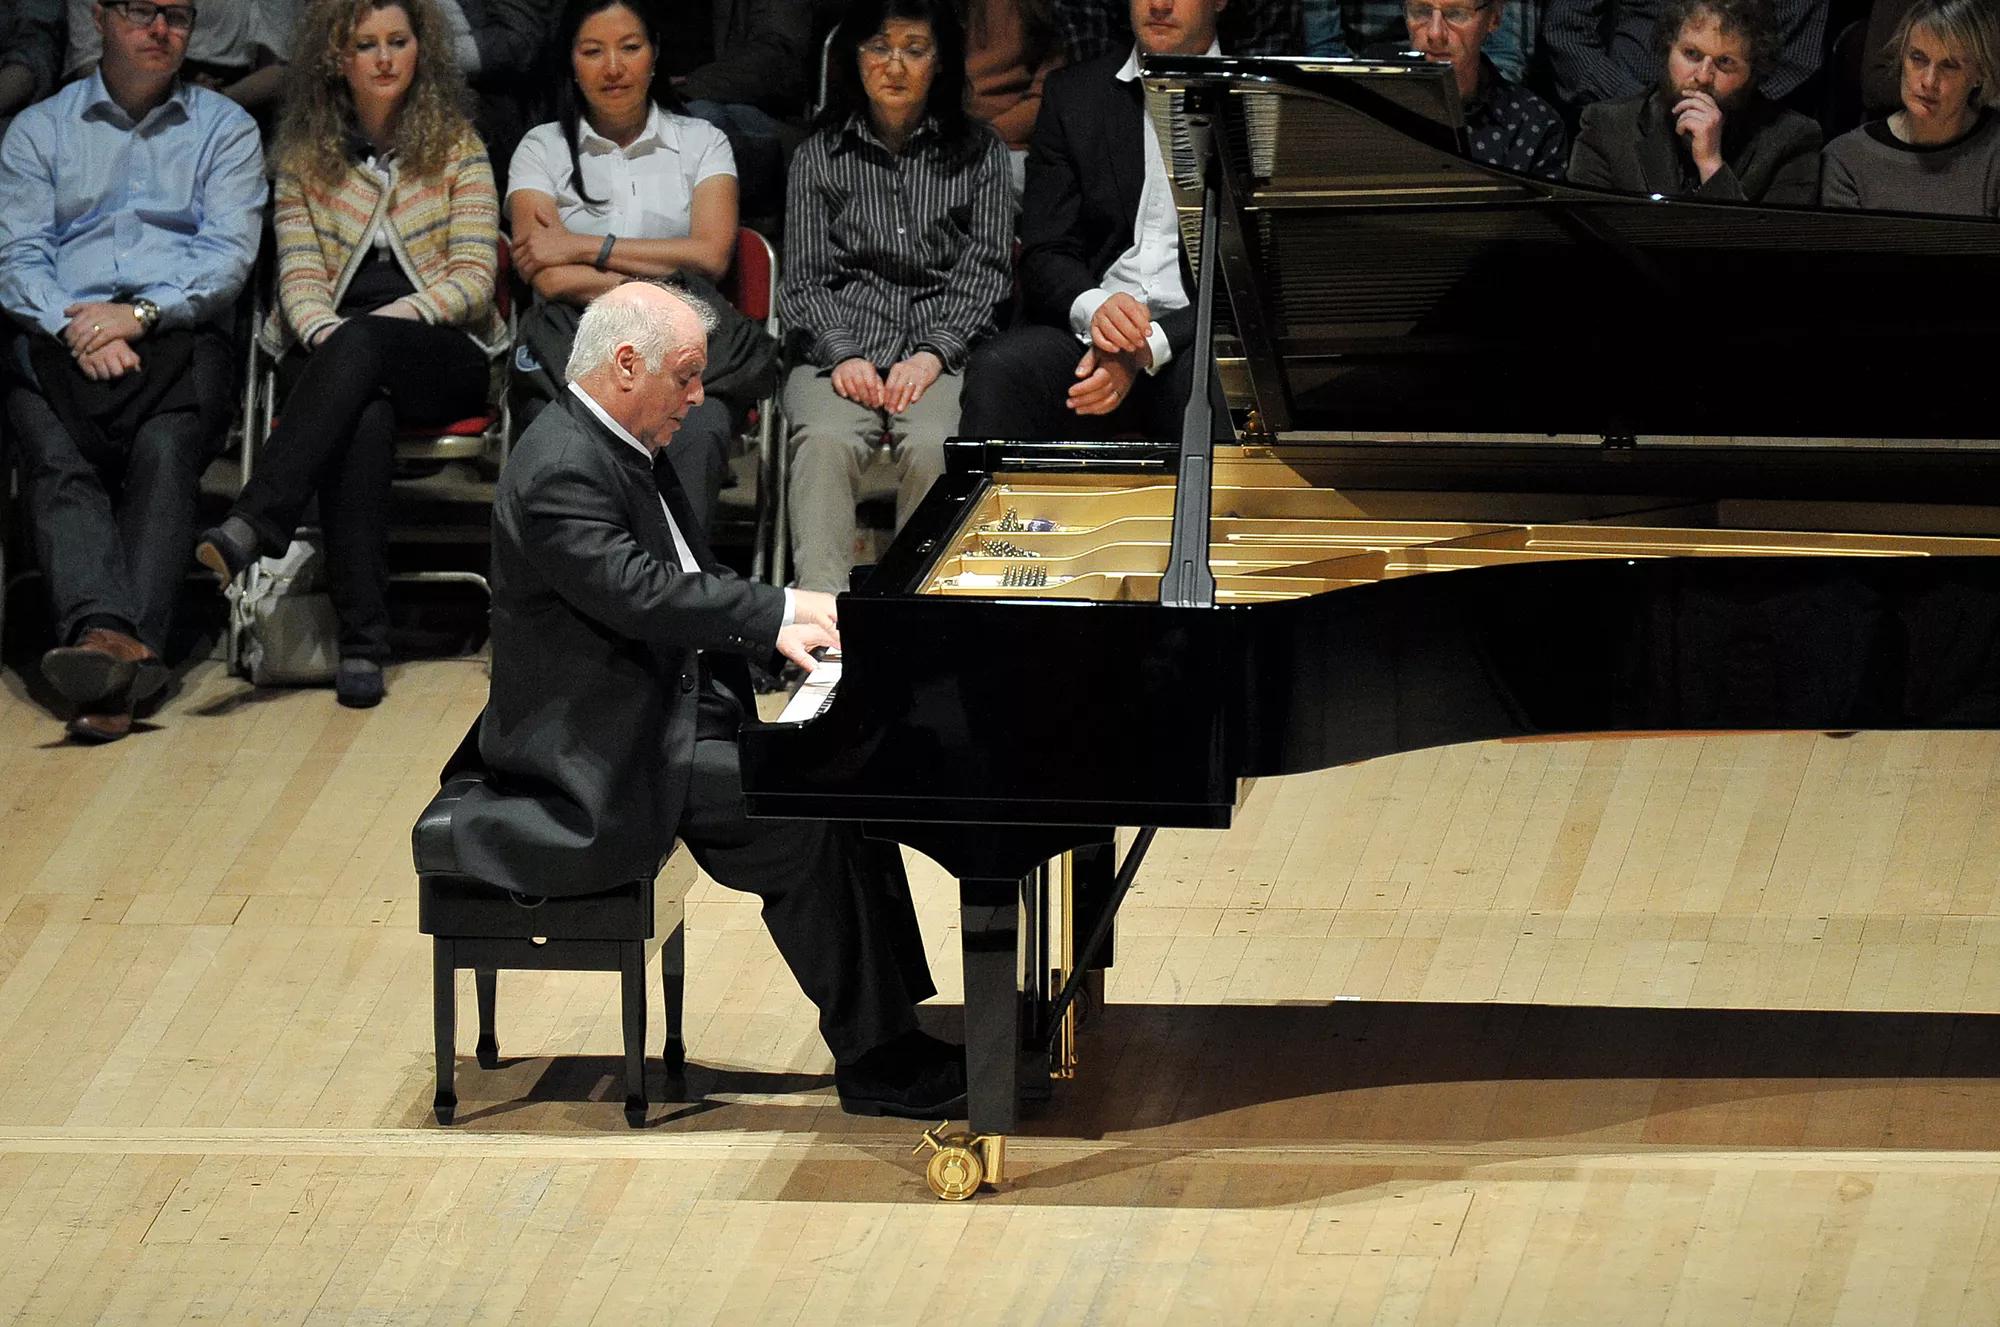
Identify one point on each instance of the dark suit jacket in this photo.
(588, 736)
(1769, 154)
(1086, 169)
(762, 56)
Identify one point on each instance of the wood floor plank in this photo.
(1507, 1033)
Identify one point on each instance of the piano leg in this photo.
(989, 923)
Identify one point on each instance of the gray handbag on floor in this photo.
(286, 633)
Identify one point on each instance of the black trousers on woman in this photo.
(336, 438)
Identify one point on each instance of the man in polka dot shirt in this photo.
(1507, 125)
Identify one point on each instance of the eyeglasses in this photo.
(141, 13)
(878, 51)
(1457, 16)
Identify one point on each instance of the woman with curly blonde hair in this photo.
(387, 225)
(318, 115)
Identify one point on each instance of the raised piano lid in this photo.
(1375, 281)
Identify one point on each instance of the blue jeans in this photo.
(114, 527)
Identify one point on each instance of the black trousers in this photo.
(1016, 386)
(113, 524)
(837, 905)
(336, 438)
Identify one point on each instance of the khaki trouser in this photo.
(833, 440)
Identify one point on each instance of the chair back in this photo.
(753, 282)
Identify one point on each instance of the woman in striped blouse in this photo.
(898, 225)
(387, 226)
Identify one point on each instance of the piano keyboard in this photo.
(813, 694)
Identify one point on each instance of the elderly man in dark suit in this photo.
(1105, 349)
(619, 684)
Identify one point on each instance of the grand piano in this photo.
(1510, 459)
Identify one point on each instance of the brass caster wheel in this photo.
(955, 1173)
(962, 1162)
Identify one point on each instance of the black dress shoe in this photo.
(915, 1077)
(358, 684)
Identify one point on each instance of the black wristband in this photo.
(604, 252)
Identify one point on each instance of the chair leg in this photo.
(485, 981)
(444, 995)
(781, 522)
(673, 985)
(632, 971)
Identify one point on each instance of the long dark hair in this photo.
(570, 106)
(946, 99)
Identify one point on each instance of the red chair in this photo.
(461, 440)
(752, 286)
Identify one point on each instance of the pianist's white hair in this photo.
(610, 323)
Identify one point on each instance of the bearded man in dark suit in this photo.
(1111, 323)
(619, 684)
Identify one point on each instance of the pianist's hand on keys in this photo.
(813, 693)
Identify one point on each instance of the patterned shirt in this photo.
(1091, 28)
(1341, 27)
(1512, 128)
(888, 253)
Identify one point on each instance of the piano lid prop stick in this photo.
(1189, 581)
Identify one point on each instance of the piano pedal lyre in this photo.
(961, 1162)
(1062, 1050)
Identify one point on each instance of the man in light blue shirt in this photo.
(131, 206)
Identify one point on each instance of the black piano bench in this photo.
(482, 926)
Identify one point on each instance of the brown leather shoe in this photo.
(98, 728)
(104, 664)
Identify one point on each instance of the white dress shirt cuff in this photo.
(791, 614)
(1156, 341)
(1083, 309)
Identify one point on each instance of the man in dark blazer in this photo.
(619, 683)
(1704, 131)
(1110, 322)
(1605, 50)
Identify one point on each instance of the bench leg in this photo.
(486, 982)
(632, 973)
(444, 995)
(673, 983)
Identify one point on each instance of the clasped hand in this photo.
(1121, 325)
(1104, 380)
(1120, 350)
(861, 382)
(99, 338)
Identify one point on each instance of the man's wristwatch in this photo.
(148, 315)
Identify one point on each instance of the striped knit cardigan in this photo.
(443, 231)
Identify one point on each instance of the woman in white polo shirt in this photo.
(620, 186)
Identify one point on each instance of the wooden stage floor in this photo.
(1673, 1031)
